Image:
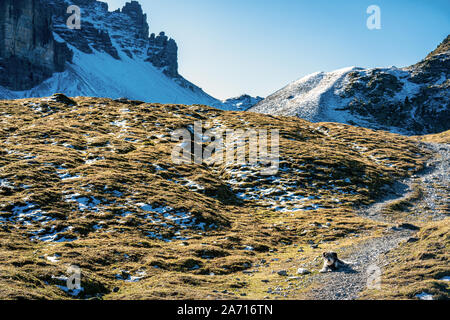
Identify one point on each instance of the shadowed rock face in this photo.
(28, 52)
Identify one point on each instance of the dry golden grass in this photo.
(88, 168)
(418, 266)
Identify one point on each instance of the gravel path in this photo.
(347, 284)
(436, 183)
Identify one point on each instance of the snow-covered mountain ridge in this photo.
(412, 100)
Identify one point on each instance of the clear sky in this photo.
(230, 47)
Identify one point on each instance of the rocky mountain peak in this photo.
(124, 30)
(243, 102)
(163, 53)
(412, 100)
(134, 10)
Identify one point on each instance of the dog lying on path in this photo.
(332, 262)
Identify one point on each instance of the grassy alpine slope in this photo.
(90, 182)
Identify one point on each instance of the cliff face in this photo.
(29, 53)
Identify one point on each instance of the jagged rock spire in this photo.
(134, 10)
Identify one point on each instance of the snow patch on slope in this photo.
(100, 75)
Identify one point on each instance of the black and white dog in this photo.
(332, 262)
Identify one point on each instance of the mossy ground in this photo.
(83, 182)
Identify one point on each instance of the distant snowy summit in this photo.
(412, 100)
(241, 103)
(112, 55)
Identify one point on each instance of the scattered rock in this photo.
(61, 98)
(408, 226)
(283, 273)
(303, 271)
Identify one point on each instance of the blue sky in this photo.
(230, 47)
